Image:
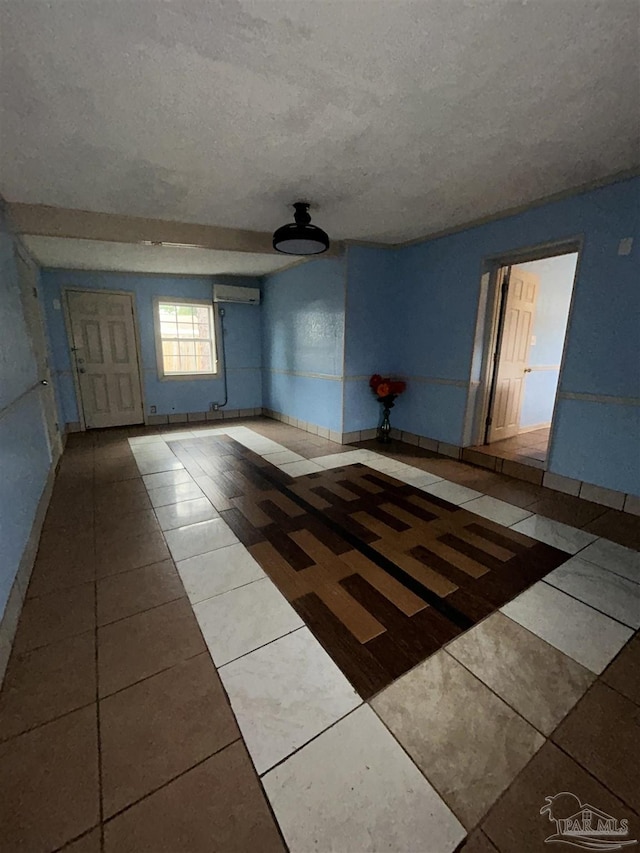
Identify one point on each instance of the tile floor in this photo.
(163, 695)
(528, 448)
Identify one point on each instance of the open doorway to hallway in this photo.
(533, 304)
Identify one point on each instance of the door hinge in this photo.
(488, 422)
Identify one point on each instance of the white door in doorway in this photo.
(28, 278)
(104, 344)
(514, 354)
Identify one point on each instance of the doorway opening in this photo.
(525, 341)
(104, 347)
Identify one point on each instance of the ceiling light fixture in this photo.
(300, 237)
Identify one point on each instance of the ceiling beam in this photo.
(45, 221)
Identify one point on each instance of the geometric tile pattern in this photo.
(381, 572)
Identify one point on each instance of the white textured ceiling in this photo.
(131, 257)
(395, 118)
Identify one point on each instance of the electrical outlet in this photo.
(153, 409)
(625, 245)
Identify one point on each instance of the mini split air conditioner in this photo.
(229, 293)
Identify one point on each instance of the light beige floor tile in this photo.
(606, 591)
(536, 679)
(145, 440)
(185, 542)
(184, 513)
(299, 469)
(354, 789)
(452, 492)
(158, 465)
(417, 478)
(282, 456)
(498, 511)
(284, 694)
(244, 619)
(469, 744)
(218, 571)
(554, 533)
(623, 561)
(172, 494)
(587, 636)
(167, 478)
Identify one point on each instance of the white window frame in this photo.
(179, 300)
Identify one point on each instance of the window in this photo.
(185, 339)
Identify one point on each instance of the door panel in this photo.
(104, 342)
(118, 341)
(519, 314)
(97, 393)
(126, 400)
(90, 337)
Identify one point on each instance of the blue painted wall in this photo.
(372, 323)
(303, 341)
(24, 449)
(242, 340)
(549, 328)
(439, 284)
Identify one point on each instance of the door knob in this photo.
(527, 370)
(82, 370)
(44, 382)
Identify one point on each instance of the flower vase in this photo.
(384, 430)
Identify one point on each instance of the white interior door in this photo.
(28, 278)
(514, 354)
(104, 344)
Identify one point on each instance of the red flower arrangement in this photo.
(386, 389)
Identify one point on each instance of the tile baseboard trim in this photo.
(201, 417)
(625, 502)
(13, 608)
(323, 432)
(183, 418)
(307, 426)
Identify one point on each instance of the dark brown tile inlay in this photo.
(301, 530)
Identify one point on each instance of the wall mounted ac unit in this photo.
(229, 293)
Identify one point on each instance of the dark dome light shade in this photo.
(300, 237)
